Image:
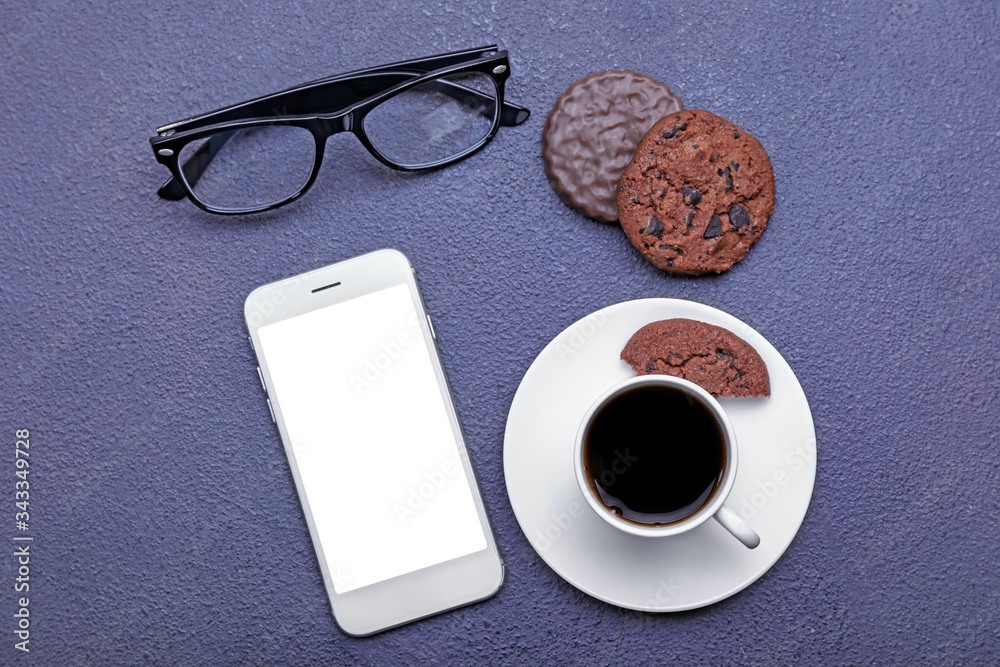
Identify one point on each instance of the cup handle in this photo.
(742, 531)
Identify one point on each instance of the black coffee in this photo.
(654, 455)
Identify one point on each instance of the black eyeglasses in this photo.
(411, 115)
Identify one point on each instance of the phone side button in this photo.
(432, 327)
(271, 410)
(260, 374)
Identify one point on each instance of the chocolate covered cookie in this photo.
(697, 195)
(591, 134)
(714, 358)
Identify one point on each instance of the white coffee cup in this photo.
(714, 506)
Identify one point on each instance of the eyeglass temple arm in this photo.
(287, 103)
(303, 99)
(194, 166)
(349, 88)
(510, 114)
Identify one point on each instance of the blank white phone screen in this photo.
(373, 443)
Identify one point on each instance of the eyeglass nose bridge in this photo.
(337, 122)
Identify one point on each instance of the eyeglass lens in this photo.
(266, 164)
(434, 121)
(251, 167)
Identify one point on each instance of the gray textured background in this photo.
(167, 528)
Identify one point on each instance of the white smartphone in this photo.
(347, 358)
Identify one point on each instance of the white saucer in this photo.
(777, 468)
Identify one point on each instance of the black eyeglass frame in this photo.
(325, 107)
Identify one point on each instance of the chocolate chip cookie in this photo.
(714, 358)
(697, 195)
(591, 134)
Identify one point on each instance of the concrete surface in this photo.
(166, 527)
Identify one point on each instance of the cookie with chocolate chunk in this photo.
(591, 134)
(714, 358)
(697, 195)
